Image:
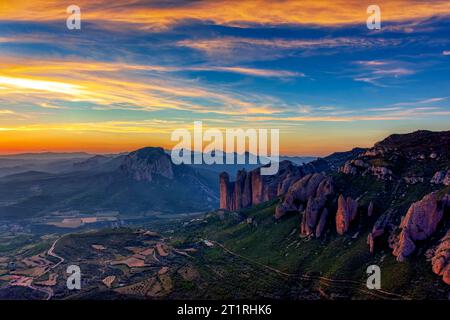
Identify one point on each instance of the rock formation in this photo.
(321, 224)
(226, 192)
(315, 215)
(441, 177)
(381, 173)
(419, 223)
(379, 229)
(311, 215)
(251, 188)
(346, 213)
(145, 164)
(441, 259)
(352, 166)
(299, 193)
(310, 193)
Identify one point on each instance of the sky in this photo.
(137, 70)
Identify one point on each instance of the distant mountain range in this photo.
(143, 181)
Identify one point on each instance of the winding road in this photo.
(51, 253)
(49, 291)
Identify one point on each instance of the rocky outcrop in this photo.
(352, 166)
(441, 259)
(321, 225)
(441, 177)
(345, 214)
(251, 188)
(413, 180)
(419, 223)
(226, 191)
(300, 192)
(145, 164)
(348, 168)
(315, 215)
(381, 173)
(356, 166)
(311, 215)
(311, 193)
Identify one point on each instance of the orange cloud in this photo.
(222, 12)
(49, 83)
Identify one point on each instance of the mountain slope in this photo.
(144, 182)
(392, 199)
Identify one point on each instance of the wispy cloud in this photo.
(253, 46)
(251, 71)
(124, 86)
(381, 73)
(421, 102)
(51, 106)
(4, 111)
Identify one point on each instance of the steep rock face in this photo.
(441, 259)
(345, 214)
(299, 193)
(257, 186)
(311, 215)
(240, 192)
(321, 224)
(311, 192)
(225, 190)
(145, 164)
(314, 217)
(251, 188)
(283, 187)
(419, 223)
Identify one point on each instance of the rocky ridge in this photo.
(399, 163)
